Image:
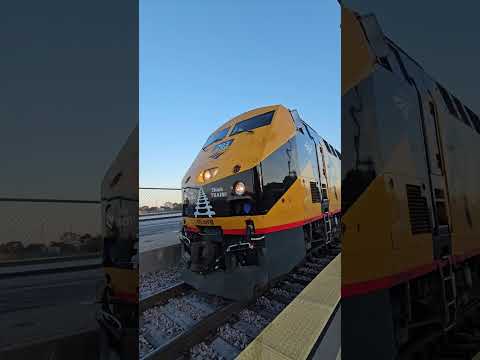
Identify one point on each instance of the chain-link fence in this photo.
(158, 201)
(49, 228)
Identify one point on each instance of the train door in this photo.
(310, 178)
(322, 161)
(441, 218)
(321, 172)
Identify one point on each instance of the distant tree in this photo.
(14, 246)
(177, 206)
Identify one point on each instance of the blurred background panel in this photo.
(69, 104)
(410, 198)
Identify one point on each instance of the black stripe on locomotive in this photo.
(266, 183)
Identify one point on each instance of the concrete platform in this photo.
(159, 252)
(329, 345)
(309, 325)
(158, 241)
(160, 258)
(159, 244)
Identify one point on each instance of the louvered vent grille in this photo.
(418, 209)
(315, 192)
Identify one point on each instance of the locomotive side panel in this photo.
(357, 57)
(406, 178)
(120, 206)
(461, 146)
(333, 179)
(362, 189)
(309, 174)
(363, 192)
(454, 169)
(378, 221)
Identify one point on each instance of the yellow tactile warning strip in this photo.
(295, 330)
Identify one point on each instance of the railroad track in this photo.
(182, 323)
(163, 295)
(460, 343)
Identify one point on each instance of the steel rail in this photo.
(163, 295)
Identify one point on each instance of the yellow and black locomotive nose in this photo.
(255, 187)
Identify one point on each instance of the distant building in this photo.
(84, 238)
(69, 236)
(71, 239)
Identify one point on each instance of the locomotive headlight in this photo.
(209, 173)
(239, 188)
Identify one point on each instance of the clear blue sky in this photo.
(203, 62)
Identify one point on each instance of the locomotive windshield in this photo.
(253, 123)
(216, 136)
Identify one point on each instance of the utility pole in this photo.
(42, 233)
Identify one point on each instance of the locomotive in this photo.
(262, 192)
(410, 197)
(118, 316)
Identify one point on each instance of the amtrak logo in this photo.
(402, 105)
(203, 206)
(219, 149)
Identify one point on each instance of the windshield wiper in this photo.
(213, 142)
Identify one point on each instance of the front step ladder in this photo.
(327, 222)
(449, 293)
